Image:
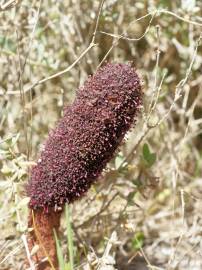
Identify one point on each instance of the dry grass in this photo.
(151, 193)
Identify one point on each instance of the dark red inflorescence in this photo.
(86, 137)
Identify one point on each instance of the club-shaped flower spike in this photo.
(86, 137)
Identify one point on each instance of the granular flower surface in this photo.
(86, 137)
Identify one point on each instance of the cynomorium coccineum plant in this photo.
(79, 148)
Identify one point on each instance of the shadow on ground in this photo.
(137, 263)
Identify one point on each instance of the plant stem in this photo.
(69, 237)
(41, 234)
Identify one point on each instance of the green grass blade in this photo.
(69, 237)
(59, 252)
